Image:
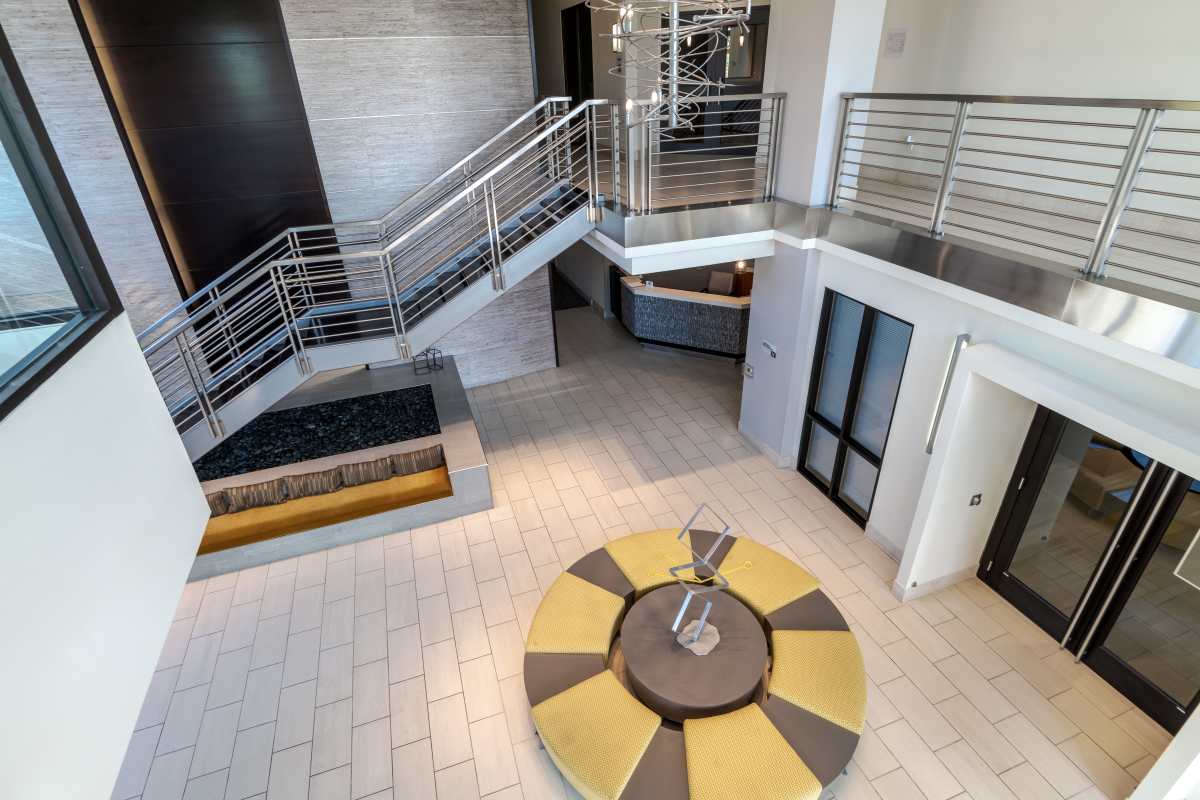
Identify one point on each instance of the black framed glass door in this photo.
(859, 362)
(1087, 544)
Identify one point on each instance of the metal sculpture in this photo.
(693, 588)
(666, 47)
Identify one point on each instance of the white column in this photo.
(816, 50)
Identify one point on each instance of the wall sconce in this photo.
(740, 266)
(618, 44)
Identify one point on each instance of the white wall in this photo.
(783, 299)
(102, 514)
(815, 51)
(1082, 48)
(587, 270)
(939, 312)
(980, 443)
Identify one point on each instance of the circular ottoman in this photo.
(627, 713)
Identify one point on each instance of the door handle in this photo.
(1109, 552)
(1129, 561)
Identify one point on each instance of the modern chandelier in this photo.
(667, 47)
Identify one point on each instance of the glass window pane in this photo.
(822, 451)
(858, 482)
(841, 345)
(35, 300)
(881, 379)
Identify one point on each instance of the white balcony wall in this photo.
(102, 514)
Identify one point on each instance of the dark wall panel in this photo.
(231, 161)
(207, 94)
(168, 86)
(117, 23)
(223, 234)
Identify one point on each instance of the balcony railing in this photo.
(1109, 187)
(728, 154)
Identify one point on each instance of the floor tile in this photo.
(371, 764)
(332, 725)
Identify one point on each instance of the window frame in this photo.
(49, 194)
(846, 442)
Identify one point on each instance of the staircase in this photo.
(333, 296)
(327, 297)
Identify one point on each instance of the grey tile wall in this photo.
(51, 55)
(316, 19)
(512, 336)
(398, 91)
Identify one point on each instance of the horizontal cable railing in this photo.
(315, 292)
(1109, 187)
(726, 152)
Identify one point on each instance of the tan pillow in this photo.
(368, 472)
(257, 495)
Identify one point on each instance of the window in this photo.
(852, 395)
(54, 292)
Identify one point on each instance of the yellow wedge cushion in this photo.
(742, 755)
(821, 672)
(646, 557)
(596, 732)
(575, 616)
(763, 579)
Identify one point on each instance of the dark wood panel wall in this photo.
(207, 94)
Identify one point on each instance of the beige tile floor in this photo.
(392, 668)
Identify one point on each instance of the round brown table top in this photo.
(674, 682)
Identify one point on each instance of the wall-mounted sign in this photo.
(894, 42)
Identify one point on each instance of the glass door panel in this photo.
(858, 482)
(837, 363)
(881, 381)
(1089, 545)
(822, 452)
(1151, 646)
(1080, 503)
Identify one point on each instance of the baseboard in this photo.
(768, 451)
(884, 544)
(906, 593)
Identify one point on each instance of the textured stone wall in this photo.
(52, 58)
(512, 336)
(396, 92)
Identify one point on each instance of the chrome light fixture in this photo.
(658, 73)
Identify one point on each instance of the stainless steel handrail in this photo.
(474, 186)
(1030, 100)
(1041, 186)
(373, 224)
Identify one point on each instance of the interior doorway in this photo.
(577, 52)
(1093, 543)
